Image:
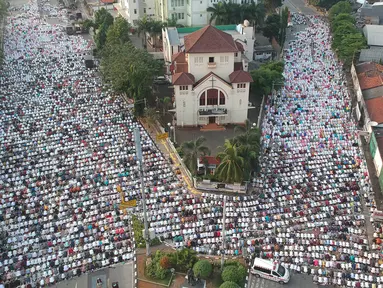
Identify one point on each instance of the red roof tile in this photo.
(207, 76)
(370, 79)
(107, 1)
(375, 109)
(239, 46)
(209, 40)
(179, 57)
(183, 79)
(240, 76)
(211, 160)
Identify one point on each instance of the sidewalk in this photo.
(167, 152)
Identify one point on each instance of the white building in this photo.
(135, 9)
(174, 40)
(187, 12)
(210, 82)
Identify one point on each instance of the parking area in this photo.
(296, 281)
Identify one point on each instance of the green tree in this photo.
(229, 284)
(272, 26)
(143, 27)
(155, 31)
(130, 71)
(248, 143)
(100, 37)
(256, 14)
(102, 16)
(284, 22)
(341, 18)
(234, 273)
(342, 29)
(271, 5)
(232, 164)
(119, 31)
(339, 8)
(351, 44)
(202, 269)
(218, 13)
(151, 116)
(166, 103)
(192, 150)
(266, 75)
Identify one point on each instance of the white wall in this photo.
(187, 104)
(199, 70)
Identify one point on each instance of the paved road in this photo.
(299, 6)
(123, 274)
(297, 280)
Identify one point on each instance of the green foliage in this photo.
(326, 4)
(87, 24)
(229, 284)
(100, 37)
(184, 259)
(271, 5)
(232, 13)
(155, 242)
(284, 22)
(138, 226)
(102, 16)
(265, 76)
(161, 273)
(339, 8)
(202, 269)
(192, 150)
(272, 26)
(118, 33)
(347, 40)
(130, 71)
(234, 273)
(231, 167)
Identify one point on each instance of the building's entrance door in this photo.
(211, 120)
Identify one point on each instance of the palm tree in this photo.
(218, 13)
(166, 102)
(143, 26)
(232, 164)
(257, 13)
(151, 116)
(192, 150)
(155, 32)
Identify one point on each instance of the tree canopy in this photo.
(192, 150)
(118, 33)
(339, 8)
(272, 26)
(232, 13)
(265, 75)
(231, 167)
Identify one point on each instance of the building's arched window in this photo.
(212, 97)
(221, 98)
(202, 99)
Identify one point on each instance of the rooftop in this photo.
(211, 160)
(370, 75)
(373, 34)
(240, 76)
(371, 55)
(375, 109)
(209, 40)
(183, 79)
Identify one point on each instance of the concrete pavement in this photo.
(297, 280)
(300, 6)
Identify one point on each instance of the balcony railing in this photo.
(213, 111)
(211, 64)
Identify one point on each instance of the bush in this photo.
(165, 262)
(234, 273)
(155, 241)
(229, 284)
(184, 259)
(161, 273)
(202, 269)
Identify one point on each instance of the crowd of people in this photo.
(67, 149)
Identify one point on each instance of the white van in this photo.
(270, 270)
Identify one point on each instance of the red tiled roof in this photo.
(107, 1)
(370, 75)
(238, 66)
(375, 109)
(209, 40)
(240, 76)
(182, 67)
(370, 79)
(207, 76)
(239, 46)
(179, 57)
(211, 160)
(183, 79)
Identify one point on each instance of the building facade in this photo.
(133, 10)
(187, 12)
(210, 84)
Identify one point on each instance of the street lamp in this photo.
(173, 128)
(254, 126)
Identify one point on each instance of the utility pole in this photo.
(223, 233)
(137, 138)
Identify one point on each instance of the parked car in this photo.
(161, 80)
